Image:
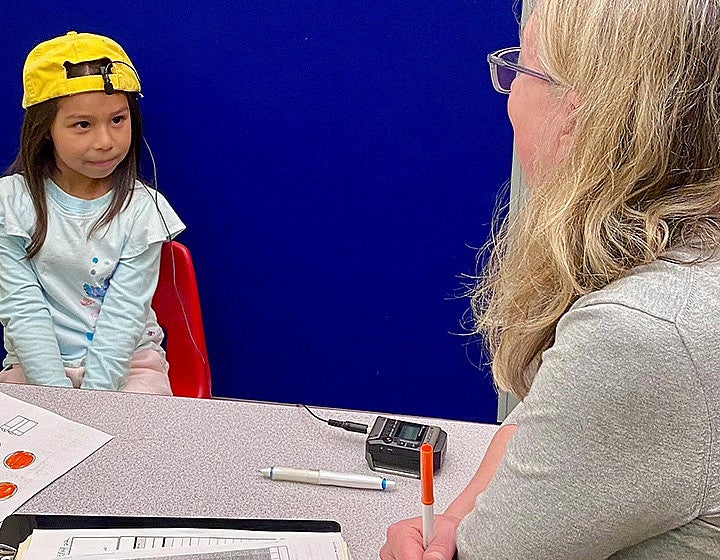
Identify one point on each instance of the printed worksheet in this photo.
(37, 447)
(125, 544)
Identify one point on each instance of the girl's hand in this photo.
(404, 540)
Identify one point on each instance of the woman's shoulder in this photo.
(664, 288)
(668, 305)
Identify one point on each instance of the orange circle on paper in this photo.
(19, 460)
(7, 489)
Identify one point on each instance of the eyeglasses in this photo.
(504, 68)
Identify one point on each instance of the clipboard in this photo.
(16, 528)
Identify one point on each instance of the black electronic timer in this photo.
(393, 446)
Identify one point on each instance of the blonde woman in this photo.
(601, 308)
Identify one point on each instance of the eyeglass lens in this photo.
(506, 75)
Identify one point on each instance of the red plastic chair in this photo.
(177, 305)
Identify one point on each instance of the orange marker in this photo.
(428, 500)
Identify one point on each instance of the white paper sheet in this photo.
(37, 447)
(126, 544)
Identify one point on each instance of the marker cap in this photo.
(426, 474)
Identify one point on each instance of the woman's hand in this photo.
(404, 538)
(405, 541)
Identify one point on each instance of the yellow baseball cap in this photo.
(45, 75)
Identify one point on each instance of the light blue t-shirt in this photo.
(79, 301)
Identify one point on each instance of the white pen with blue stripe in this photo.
(349, 480)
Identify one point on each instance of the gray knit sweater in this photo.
(617, 452)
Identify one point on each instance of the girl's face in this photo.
(540, 119)
(91, 135)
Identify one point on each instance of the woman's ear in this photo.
(571, 102)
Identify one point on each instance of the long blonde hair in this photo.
(642, 175)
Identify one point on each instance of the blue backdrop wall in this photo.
(336, 163)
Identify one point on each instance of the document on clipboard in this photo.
(192, 539)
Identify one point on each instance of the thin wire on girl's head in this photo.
(154, 198)
(106, 72)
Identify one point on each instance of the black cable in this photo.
(105, 73)
(313, 414)
(172, 253)
(348, 426)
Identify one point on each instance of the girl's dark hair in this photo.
(36, 162)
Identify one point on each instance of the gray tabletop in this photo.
(174, 456)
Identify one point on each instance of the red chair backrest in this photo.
(177, 305)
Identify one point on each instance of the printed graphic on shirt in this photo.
(96, 291)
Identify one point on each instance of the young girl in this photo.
(80, 234)
(601, 306)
